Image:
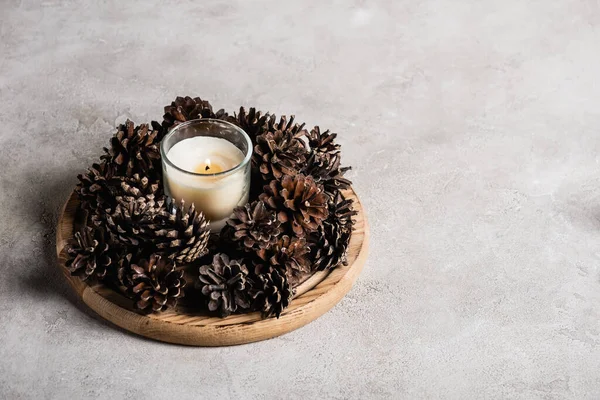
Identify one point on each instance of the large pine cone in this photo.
(225, 283)
(323, 143)
(253, 226)
(98, 187)
(278, 153)
(325, 169)
(91, 253)
(298, 200)
(329, 245)
(157, 284)
(272, 292)
(289, 255)
(134, 150)
(182, 233)
(186, 109)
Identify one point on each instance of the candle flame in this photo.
(207, 162)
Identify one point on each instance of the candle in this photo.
(205, 163)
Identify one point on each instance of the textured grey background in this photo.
(473, 129)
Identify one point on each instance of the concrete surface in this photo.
(473, 128)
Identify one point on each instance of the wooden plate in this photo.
(313, 298)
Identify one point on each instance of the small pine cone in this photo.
(272, 292)
(299, 200)
(186, 109)
(97, 188)
(134, 150)
(123, 279)
(182, 233)
(323, 143)
(138, 187)
(157, 284)
(278, 153)
(254, 226)
(326, 170)
(133, 220)
(225, 283)
(289, 255)
(91, 254)
(329, 245)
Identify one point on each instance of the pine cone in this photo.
(323, 143)
(288, 255)
(186, 109)
(278, 153)
(284, 125)
(326, 170)
(298, 200)
(182, 234)
(252, 122)
(98, 187)
(157, 283)
(137, 187)
(254, 226)
(134, 150)
(123, 279)
(91, 253)
(133, 220)
(225, 283)
(272, 292)
(329, 245)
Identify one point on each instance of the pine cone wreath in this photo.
(329, 245)
(91, 254)
(323, 143)
(272, 292)
(298, 200)
(289, 255)
(253, 226)
(134, 150)
(278, 153)
(225, 283)
(325, 169)
(182, 233)
(157, 284)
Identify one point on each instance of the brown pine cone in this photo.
(182, 233)
(298, 200)
(134, 150)
(157, 284)
(329, 245)
(325, 169)
(272, 292)
(225, 283)
(133, 220)
(289, 255)
(90, 253)
(186, 109)
(137, 187)
(283, 124)
(253, 226)
(98, 187)
(323, 143)
(252, 122)
(278, 153)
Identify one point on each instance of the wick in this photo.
(206, 168)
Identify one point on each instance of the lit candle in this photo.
(206, 163)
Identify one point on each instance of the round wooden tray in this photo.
(313, 298)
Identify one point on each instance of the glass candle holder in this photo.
(206, 162)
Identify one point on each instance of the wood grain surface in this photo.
(181, 325)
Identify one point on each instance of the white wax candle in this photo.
(215, 195)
